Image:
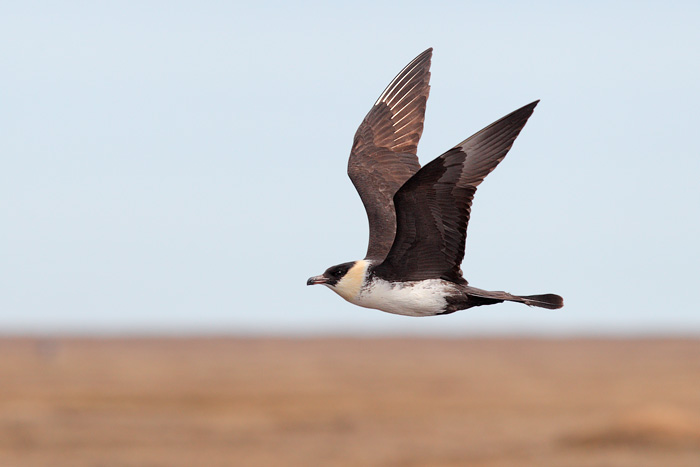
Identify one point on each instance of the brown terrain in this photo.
(349, 402)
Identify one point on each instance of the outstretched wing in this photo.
(383, 153)
(434, 205)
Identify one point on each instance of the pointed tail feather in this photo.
(549, 300)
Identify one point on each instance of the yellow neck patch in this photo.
(349, 286)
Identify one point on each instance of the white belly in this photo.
(420, 298)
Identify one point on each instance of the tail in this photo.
(549, 300)
(487, 297)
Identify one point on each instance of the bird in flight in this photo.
(417, 215)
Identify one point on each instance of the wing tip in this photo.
(528, 107)
(420, 65)
(523, 113)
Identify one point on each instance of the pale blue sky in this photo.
(180, 166)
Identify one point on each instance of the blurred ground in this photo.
(349, 402)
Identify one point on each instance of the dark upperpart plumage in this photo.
(434, 205)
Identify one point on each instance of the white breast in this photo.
(419, 298)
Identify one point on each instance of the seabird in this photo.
(418, 216)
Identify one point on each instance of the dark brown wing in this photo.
(383, 153)
(433, 206)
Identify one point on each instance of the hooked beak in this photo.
(316, 280)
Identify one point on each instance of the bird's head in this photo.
(344, 279)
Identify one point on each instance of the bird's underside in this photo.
(417, 216)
